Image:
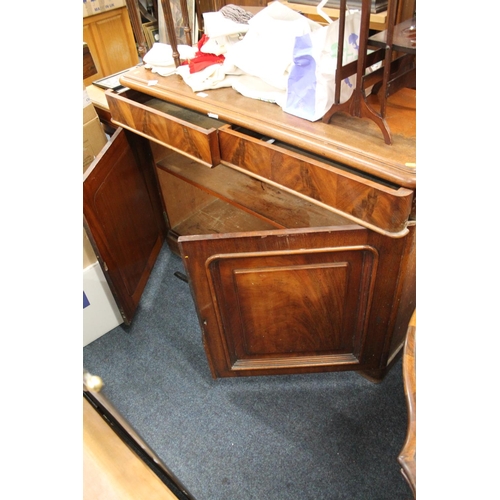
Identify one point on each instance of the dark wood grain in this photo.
(295, 301)
(316, 293)
(122, 214)
(277, 207)
(350, 141)
(364, 200)
(89, 67)
(189, 138)
(136, 23)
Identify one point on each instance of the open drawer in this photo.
(189, 132)
(364, 199)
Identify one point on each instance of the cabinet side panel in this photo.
(406, 304)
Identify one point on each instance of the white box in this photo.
(100, 312)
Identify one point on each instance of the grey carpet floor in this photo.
(298, 437)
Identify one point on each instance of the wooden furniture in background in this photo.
(394, 74)
(136, 23)
(408, 455)
(300, 252)
(378, 21)
(111, 42)
(135, 17)
(89, 68)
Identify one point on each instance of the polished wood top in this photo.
(355, 142)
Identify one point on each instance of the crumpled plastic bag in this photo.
(266, 51)
(311, 82)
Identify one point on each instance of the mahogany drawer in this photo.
(188, 132)
(369, 201)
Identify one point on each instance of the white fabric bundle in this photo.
(159, 59)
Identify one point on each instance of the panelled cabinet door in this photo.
(287, 301)
(123, 215)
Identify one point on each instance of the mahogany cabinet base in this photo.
(376, 376)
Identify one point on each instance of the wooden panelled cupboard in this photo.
(298, 238)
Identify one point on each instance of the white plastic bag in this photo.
(311, 81)
(267, 48)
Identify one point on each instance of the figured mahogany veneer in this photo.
(178, 128)
(382, 206)
(277, 207)
(371, 201)
(349, 141)
(298, 238)
(296, 301)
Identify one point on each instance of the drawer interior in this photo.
(186, 131)
(360, 196)
(188, 115)
(312, 156)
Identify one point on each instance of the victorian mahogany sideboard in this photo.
(298, 238)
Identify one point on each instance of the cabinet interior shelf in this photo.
(231, 201)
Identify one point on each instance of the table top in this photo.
(352, 141)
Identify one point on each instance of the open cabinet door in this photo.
(293, 301)
(123, 216)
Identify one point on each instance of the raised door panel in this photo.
(122, 213)
(285, 301)
(111, 41)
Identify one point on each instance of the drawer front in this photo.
(373, 204)
(158, 125)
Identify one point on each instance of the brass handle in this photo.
(92, 382)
